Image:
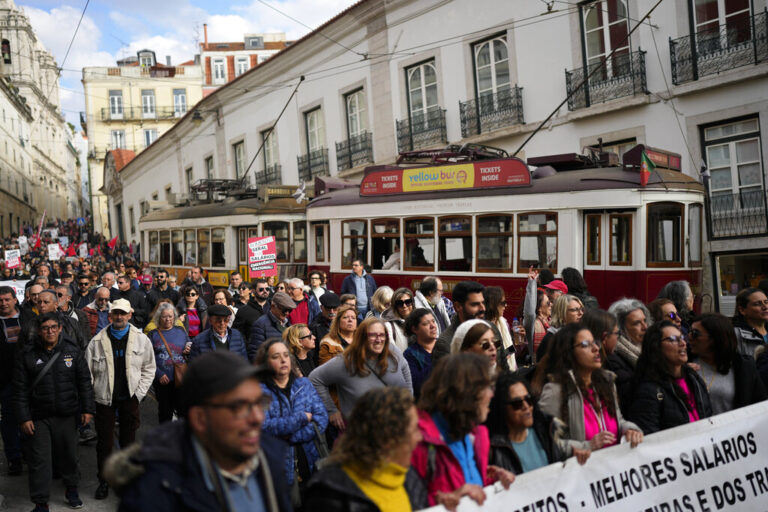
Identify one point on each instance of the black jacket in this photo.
(319, 327)
(247, 315)
(165, 473)
(156, 295)
(503, 453)
(624, 375)
(747, 338)
(762, 367)
(7, 357)
(655, 406)
(331, 489)
(81, 301)
(139, 305)
(76, 328)
(65, 390)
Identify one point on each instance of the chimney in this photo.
(205, 34)
(168, 60)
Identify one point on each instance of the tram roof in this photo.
(603, 178)
(252, 206)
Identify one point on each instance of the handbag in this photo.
(178, 368)
(320, 445)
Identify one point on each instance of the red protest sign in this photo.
(262, 257)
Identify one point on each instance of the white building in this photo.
(387, 76)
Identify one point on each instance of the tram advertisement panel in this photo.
(262, 257)
(486, 174)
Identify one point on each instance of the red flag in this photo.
(112, 243)
(71, 251)
(40, 230)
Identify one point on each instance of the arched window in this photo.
(605, 29)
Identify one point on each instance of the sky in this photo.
(113, 29)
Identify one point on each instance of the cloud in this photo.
(312, 13)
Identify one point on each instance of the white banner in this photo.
(18, 287)
(64, 241)
(54, 252)
(716, 464)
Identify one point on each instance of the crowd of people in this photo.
(286, 395)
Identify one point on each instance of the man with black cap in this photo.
(218, 336)
(217, 457)
(272, 324)
(329, 303)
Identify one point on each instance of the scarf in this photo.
(627, 350)
(119, 334)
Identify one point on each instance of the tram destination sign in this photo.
(509, 172)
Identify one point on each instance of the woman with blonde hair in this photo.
(339, 335)
(567, 309)
(301, 343)
(381, 300)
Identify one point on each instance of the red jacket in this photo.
(443, 468)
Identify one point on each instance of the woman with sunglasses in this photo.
(340, 334)
(522, 437)
(604, 329)
(731, 380)
(192, 310)
(575, 389)
(664, 309)
(301, 342)
(394, 317)
(751, 320)
(370, 362)
(477, 337)
(668, 392)
(679, 292)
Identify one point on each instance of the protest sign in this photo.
(82, 250)
(716, 464)
(262, 257)
(13, 258)
(18, 288)
(64, 241)
(23, 245)
(54, 252)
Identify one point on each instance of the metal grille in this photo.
(728, 46)
(740, 214)
(137, 114)
(314, 163)
(623, 75)
(269, 176)
(422, 131)
(354, 151)
(491, 111)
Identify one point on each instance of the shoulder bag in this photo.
(178, 368)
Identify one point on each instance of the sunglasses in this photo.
(60, 295)
(285, 310)
(262, 289)
(487, 344)
(84, 283)
(305, 337)
(672, 316)
(674, 339)
(191, 295)
(401, 303)
(517, 403)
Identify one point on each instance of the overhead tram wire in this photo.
(586, 79)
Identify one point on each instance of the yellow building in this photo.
(128, 107)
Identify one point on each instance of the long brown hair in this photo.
(356, 355)
(333, 331)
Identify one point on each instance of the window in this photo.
(694, 235)
(494, 243)
(385, 242)
(165, 248)
(167, 192)
(419, 244)
(422, 90)
(354, 242)
(179, 102)
(279, 230)
(154, 247)
(605, 29)
(357, 119)
(619, 147)
(146, 60)
(710, 15)
(537, 241)
(665, 240)
(241, 65)
(491, 71)
(455, 237)
(300, 241)
(219, 71)
(115, 104)
(209, 167)
(188, 177)
(150, 136)
(148, 103)
(593, 239)
(131, 220)
(621, 239)
(143, 207)
(735, 166)
(177, 247)
(238, 156)
(321, 241)
(204, 247)
(218, 257)
(190, 247)
(118, 139)
(315, 130)
(270, 148)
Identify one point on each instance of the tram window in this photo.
(621, 239)
(455, 237)
(354, 242)
(593, 239)
(300, 241)
(242, 247)
(320, 241)
(537, 240)
(165, 247)
(218, 256)
(420, 244)
(204, 247)
(694, 235)
(154, 247)
(665, 241)
(279, 230)
(494, 242)
(385, 240)
(190, 247)
(177, 241)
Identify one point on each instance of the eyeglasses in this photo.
(60, 295)
(400, 303)
(377, 335)
(486, 345)
(306, 337)
(262, 289)
(517, 403)
(587, 344)
(576, 310)
(241, 409)
(674, 339)
(49, 328)
(759, 303)
(672, 316)
(84, 283)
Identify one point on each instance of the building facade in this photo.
(384, 77)
(129, 106)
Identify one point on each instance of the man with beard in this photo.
(329, 304)
(162, 290)
(257, 306)
(469, 303)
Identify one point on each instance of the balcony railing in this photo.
(741, 214)
(740, 42)
(491, 111)
(354, 151)
(314, 163)
(138, 114)
(269, 176)
(422, 130)
(623, 75)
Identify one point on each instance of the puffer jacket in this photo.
(139, 361)
(64, 390)
(286, 420)
(747, 338)
(548, 430)
(204, 342)
(267, 326)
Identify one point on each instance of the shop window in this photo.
(455, 238)
(177, 246)
(204, 247)
(385, 242)
(165, 247)
(218, 256)
(537, 241)
(694, 235)
(420, 244)
(621, 239)
(300, 241)
(190, 247)
(354, 242)
(664, 238)
(321, 241)
(279, 230)
(154, 247)
(594, 255)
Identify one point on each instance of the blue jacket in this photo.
(204, 342)
(267, 326)
(288, 422)
(314, 307)
(348, 286)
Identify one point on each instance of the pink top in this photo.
(193, 319)
(595, 422)
(693, 414)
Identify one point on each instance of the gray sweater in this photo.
(352, 387)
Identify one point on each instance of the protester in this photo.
(477, 337)
(301, 343)
(193, 311)
(361, 285)
(495, 305)
(244, 295)
(163, 290)
(47, 302)
(218, 335)
(679, 292)
(469, 303)
(135, 298)
(604, 329)
(321, 325)
(97, 312)
(171, 343)
(340, 334)
(751, 320)
(316, 286)
(394, 317)
(75, 322)
(272, 324)
(632, 318)
(430, 296)
(307, 307)
(203, 287)
(9, 346)
(235, 280)
(349, 299)
(84, 294)
(555, 289)
(223, 297)
(567, 309)
(257, 306)
(422, 328)
(381, 301)
(577, 287)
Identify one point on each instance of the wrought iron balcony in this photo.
(740, 42)
(138, 114)
(314, 163)
(491, 111)
(422, 130)
(354, 151)
(269, 176)
(740, 214)
(623, 75)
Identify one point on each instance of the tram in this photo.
(473, 212)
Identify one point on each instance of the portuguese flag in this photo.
(646, 168)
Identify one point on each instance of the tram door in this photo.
(608, 252)
(243, 234)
